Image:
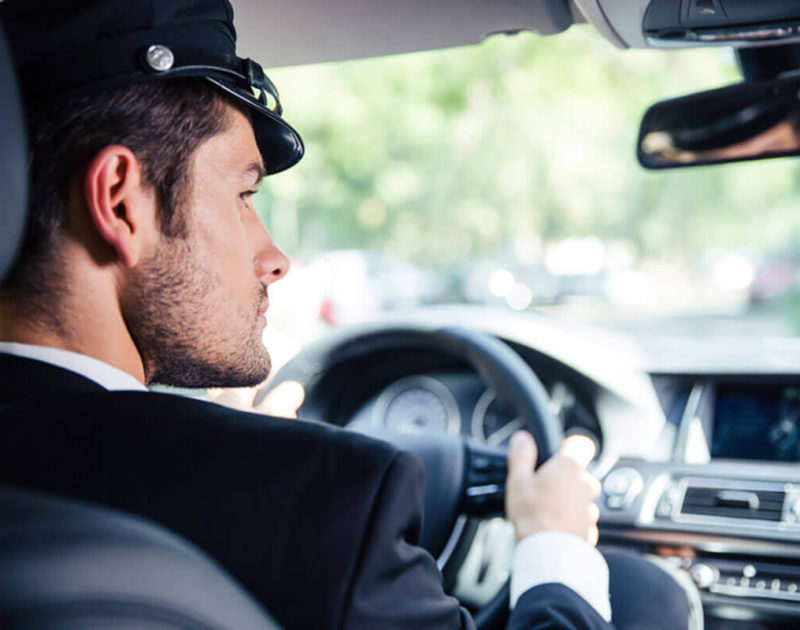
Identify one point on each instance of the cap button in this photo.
(159, 58)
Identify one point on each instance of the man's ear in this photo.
(121, 207)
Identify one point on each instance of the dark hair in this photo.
(162, 123)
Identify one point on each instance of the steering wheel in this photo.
(462, 477)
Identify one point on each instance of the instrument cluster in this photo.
(461, 405)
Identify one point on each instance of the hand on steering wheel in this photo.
(535, 501)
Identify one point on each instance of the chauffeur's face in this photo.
(198, 306)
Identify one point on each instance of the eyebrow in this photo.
(257, 169)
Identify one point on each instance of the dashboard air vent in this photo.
(742, 503)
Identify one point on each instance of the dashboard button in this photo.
(705, 10)
(615, 503)
(618, 482)
(794, 510)
(481, 463)
(665, 507)
(704, 575)
(622, 486)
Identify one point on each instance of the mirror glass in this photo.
(748, 121)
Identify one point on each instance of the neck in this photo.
(87, 323)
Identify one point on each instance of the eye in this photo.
(247, 195)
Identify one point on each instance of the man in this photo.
(145, 262)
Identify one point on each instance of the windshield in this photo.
(504, 174)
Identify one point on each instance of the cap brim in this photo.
(280, 145)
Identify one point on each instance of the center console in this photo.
(727, 507)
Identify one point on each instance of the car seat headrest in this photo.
(13, 171)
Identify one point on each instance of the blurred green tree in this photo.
(444, 156)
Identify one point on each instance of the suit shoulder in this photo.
(167, 416)
(250, 424)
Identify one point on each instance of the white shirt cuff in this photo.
(548, 557)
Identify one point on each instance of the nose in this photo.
(271, 264)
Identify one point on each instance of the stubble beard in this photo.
(187, 333)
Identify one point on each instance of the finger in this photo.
(580, 448)
(521, 454)
(594, 513)
(593, 536)
(592, 483)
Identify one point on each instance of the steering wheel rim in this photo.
(499, 368)
(513, 381)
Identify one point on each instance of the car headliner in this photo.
(310, 31)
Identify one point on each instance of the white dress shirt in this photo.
(105, 375)
(558, 557)
(543, 558)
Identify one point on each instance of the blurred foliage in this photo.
(444, 156)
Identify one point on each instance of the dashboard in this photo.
(699, 467)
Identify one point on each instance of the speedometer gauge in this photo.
(417, 403)
(493, 421)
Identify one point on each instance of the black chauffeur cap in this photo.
(67, 46)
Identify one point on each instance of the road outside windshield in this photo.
(504, 174)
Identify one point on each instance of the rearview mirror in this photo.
(747, 121)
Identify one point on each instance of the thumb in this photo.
(283, 401)
(522, 454)
(579, 447)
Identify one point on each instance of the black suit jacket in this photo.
(319, 523)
